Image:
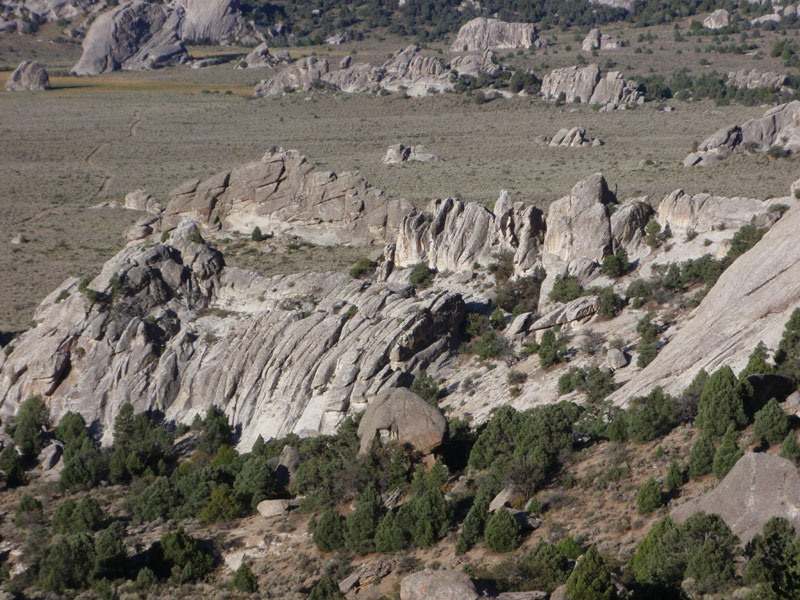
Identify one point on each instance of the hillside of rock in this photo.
(481, 33)
(212, 21)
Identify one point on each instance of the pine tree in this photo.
(590, 579)
(359, 532)
(389, 535)
(722, 403)
(701, 458)
(503, 532)
(30, 422)
(791, 447)
(474, 523)
(727, 454)
(329, 531)
(650, 497)
(757, 364)
(244, 580)
(771, 424)
(11, 465)
(674, 479)
(787, 356)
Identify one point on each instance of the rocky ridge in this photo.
(481, 33)
(756, 79)
(586, 85)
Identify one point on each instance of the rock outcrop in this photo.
(133, 36)
(481, 33)
(750, 302)
(437, 585)
(166, 326)
(614, 89)
(30, 75)
(757, 488)
(16, 15)
(398, 154)
(473, 65)
(625, 5)
(451, 235)
(780, 126)
(718, 19)
(756, 79)
(303, 75)
(260, 57)
(354, 79)
(575, 137)
(212, 21)
(284, 193)
(143, 201)
(586, 85)
(400, 415)
(411, 71)
(596, 40)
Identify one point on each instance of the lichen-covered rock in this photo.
(400, 415)
(283, 192)
(718, 19)
(168, 327)
(757, 488)
(133, 36)
(437, 585)
(303, 75)
(481, 33)
(30, 75)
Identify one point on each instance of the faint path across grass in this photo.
(108, 176)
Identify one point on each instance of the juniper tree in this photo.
(727, 454)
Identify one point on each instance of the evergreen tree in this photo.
(649, 497)
(426, 388)
(222, 506)
(389, 535)
(215, 431)
(658, 563)
(11, 465)
(674, 479)
(701, 458)
(29, 511)
(329, 531)
(727, 454)
(398, 473)
(71, 429)
(722, 403)
(254, 482)
(432, 515)
(359, 532)
(590, 579)
(474, 523)
(550, 350)
(791, 447)
(503, 532)
(787, 356)
(31, 420)
(110, 553)
(771, 424)
(67, 564)
(326, 589)
(244, 580)
(757, 364)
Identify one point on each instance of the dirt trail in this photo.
(108, 176)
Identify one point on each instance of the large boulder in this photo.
(30, 75)
(133, 36)
(615, 89)
(750, 302)
(212, 21)
(437, 585)
(595, 40)
(758, 488)
(481, 33)
(303, 75)
(575, 137)
(400, 415)
(414, 73)
(283, 192)
(354, 79)
(756, 79)
(399, 153)
(718, 19)
(473, 65)
(573, 82)
(260, 57)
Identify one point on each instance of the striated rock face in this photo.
(30, 75)
(284, 193)
(172, 329)
(400, 415)
(627, 226)
(596, 40)
(452, 235)
(134, 36)
(481, 33)
(757, 488)
(718, 19)
(13, 11)
(437, 585)
(572, 81)
(475, 64)
(702, 213)
(615, 89)
(211, 21)
(398, 154)
(579, 225)
(354, 79)
(780, 126)
(574, 138)
(751, 302)
(755, 79)
(302, 75)
(415, 73)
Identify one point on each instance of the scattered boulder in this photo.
(574, 138)
(770, 18)
(616, 359)
(260, 57)
(30, 75)
(50, 455)
(576, 310)
(780, 126)
(133, 36)
(473, 65)
(337, 39)
(573, 82)
(143, 201)
(367, 574)
(414, 73)
(303, 75)
(718, 19)
(600, 41)
(400, 415)
(284, 193)
(758, 487)
(398, 154)
(273, 508)
(18, 240)
(504, 498)
(481, 33)
(614, 90)
(437, 585)
(754, 79)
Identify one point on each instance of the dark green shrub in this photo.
(475, 522)
(610, 303)
(215, 431)
(566, 288)
(254, 482)
(29, 426)
(701, 458)
(651, 416)
(675, 477)
(179, 549)
(421, 276)
(520, 295)
(551, 349)
(360, 525)
(787, 356)
(110, 553)
(326, 589)
(490, 345)
(389, 536)
(771, 425)
(616, 265)
(727, 454)
(363, 268)
(791, 447)
(653, 235)
(647, 353)
(591, 579)
(145, 579)
(222, 506)
(256, 235)
(71, 429)
(11, 465)
(329, 531)
(29, 511)
(244, 580)
(649, 497)
(497, 319)
(426, 388)
(153, 501)
(569, 548)
(84, 466)
(83, 517)
(67, 564)
(757, 363)
(503, 532)
(722, 403)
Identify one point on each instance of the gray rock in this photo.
(30, 75)
(367, 574)
(398, 154)
(616, 359)
(345, 62)
(260, 57)
(273, 508)
(286, 469)
(473, 65)
(133, 36)
(600, 41)
(614, 89)
(756, 79)
(573, 138)
(303, 75)
(560, 593)
(757, 488)
(284, 193)
(576, 310)
(144, 201)
(481, 33)
(337, 39)
(792, 404)
(627, 226)
(718, 19)
(437, 585)
(212, 21)
(18, 240)
(414, 73)
(573, 82)
(354, 79)
(49, 456)
(400, 415)
(522, 596)
(504, 498)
